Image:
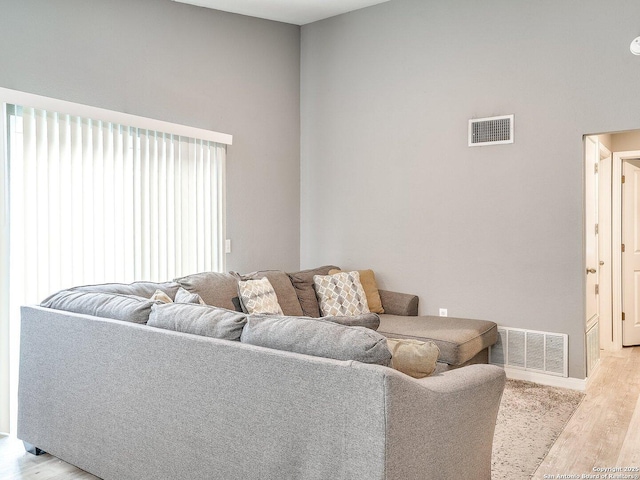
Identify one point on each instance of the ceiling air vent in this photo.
(490, 130)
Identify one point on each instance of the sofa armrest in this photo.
(446, 420)
(395, 303)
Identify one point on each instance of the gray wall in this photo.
(387, 179)
(183, 64)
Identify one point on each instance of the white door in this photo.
(592, 158)
(631, 253)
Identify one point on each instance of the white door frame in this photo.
(604, 246)
(616, 242)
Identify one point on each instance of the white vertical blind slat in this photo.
(171, 208)
(110, 224)
(153, 213)
(128, 212)
(161, 207)
(66, 200)
(97, 212)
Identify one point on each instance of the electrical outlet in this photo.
(443, 312)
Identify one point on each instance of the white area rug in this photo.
(530, 419)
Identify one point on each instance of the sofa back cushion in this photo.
(198, 319)
(302, 282)
(286, 293)
(141, 289)
(368, 320)
(217, 289)
(317, 337)
(129, 308)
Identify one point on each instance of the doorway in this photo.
(612, 220)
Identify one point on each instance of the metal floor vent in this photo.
(490, 130)
(531, 350)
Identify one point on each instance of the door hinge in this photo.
(623, 247)
(597, 229)
(622, 178)
(623, 316)
(595, 169)
(597, 289)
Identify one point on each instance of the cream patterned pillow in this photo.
(341, 294)
(258, 296)
(160, 296)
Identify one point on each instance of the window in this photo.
(94, 202)
(93, 196)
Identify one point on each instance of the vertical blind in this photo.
(95, 202)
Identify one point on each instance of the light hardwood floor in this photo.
(16, 464)
(604, 431)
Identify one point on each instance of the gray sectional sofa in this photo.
(102, 389)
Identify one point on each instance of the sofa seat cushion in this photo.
(317, 337)
(459, 339)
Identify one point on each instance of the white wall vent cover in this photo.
(543, 352)
(490, 130)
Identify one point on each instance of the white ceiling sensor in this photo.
(297, 12)
(635, 46)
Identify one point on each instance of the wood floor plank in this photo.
(630, 452)
(17, 464)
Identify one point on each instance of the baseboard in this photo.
(544, 379)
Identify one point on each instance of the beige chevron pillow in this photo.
(258, 296)
(340, 294)
(370, 286)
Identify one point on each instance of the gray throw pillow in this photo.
(129, 308)
(198, 319)
(182, 296)
(317, 337)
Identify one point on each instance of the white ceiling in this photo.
(298, 12)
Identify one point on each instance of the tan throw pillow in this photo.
(341, 294)
(368, 281)
(258, 296)
(413, 357)
(160, 296)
